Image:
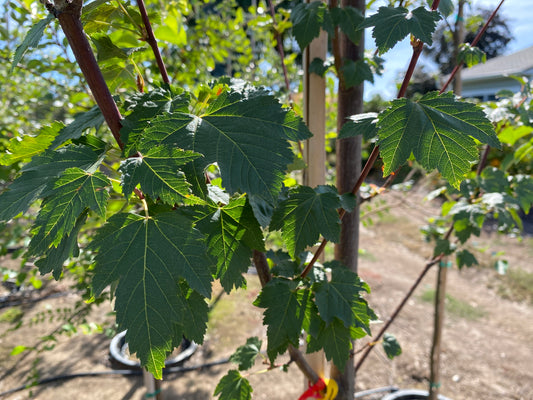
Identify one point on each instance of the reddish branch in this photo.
(152, 41)
(474, 42)
(68, 14)
(279, 43)
(400, 306)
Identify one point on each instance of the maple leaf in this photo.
(54, 257)
(74, 191)
(142, 108)
(438, 130)
(83, 121)
(464, 257)
(340, 298)
(355, 72)
(244, 130)
(307, 214)
(391, 346)
(38, 176)
(393, 24)
(284, 315)
(233, 386)
(158, 172)
(245, 355)
(29, 146)
(306, 22)
(149, 257)
(360, 124)
(349, 20)
(232, 234)
(336, 341)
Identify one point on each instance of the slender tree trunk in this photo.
(458, 39)
(350, 102)
(440, 300)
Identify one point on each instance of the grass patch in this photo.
(517, 285)
(455, 307)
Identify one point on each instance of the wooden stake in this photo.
(315, 148)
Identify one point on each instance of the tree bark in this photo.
(350, 102)
(68, 15)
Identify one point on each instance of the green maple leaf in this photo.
(360, 124)
(464, 257)
(106, 50)
(54, 257)
(307, 20)
(355, 73)
(233, 386)
(31, 40)
(195, 312)
(232, 234)
(142, 108)
(349, 20)
(391, 346)
(38, 176)
(30, 145)
(393, 24)
(74, 191)
(158, 172)
(467, 220)
(336, 341)
(83, 121)
(284, 315)
(307, 214)
(245, 130)
(245, 355)
(148, 256)
(494, 180)
(443, 246)
(438, 130)
(470, 55)
(340, 298)
(523, 186)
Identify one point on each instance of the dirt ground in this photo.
(487, 352)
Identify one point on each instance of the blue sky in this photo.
(519, 14)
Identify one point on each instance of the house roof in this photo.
(512, 64)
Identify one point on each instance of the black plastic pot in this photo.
(410, 394)
(118, 353)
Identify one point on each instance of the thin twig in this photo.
(483, 162)
(150, 38)
(474, 42)
(279, 43)
(399, 308)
